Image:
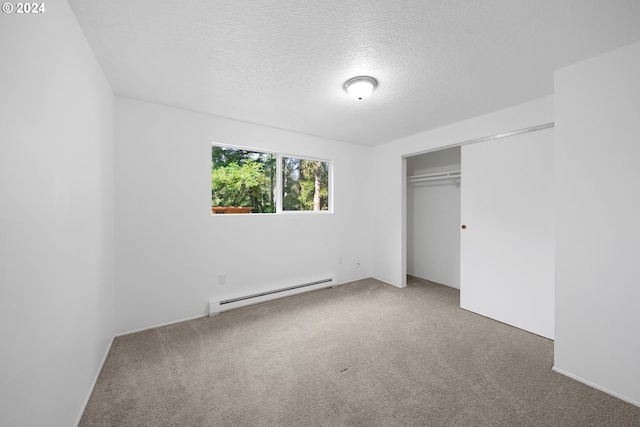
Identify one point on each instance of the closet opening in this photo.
(433, 182)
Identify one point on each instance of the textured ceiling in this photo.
(282, 63)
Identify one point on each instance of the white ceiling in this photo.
(282, 63)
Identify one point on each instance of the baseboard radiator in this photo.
(217, 307)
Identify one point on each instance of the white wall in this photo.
(597, 105)
(170, 249)
(56, 221)
(389, 241)
(433, 219)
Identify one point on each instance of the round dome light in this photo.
(361, 87)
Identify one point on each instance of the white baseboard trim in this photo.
(93, 385)
(354, 280)
(146, 328)
(432, 281)
(388, 283)
(596, 386)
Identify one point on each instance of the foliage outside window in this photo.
(305, 184)
(242, 178)
(244, 181)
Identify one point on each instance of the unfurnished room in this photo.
(289, 213)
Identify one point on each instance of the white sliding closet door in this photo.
(507, 247)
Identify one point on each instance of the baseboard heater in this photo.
(217, 307)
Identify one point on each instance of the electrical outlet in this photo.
(222, 279)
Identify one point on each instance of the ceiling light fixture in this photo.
(360, 87)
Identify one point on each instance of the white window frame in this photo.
(279, 189)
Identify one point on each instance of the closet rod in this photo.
(433, 176)
(453, 176)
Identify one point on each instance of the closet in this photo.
(480, 217)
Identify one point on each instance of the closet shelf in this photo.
(453, 176)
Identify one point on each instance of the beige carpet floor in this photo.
(362, 354)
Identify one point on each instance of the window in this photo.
(242, 179)
(247, 181)
(305, 184)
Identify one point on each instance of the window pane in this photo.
(242, 179)
(305, 185)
